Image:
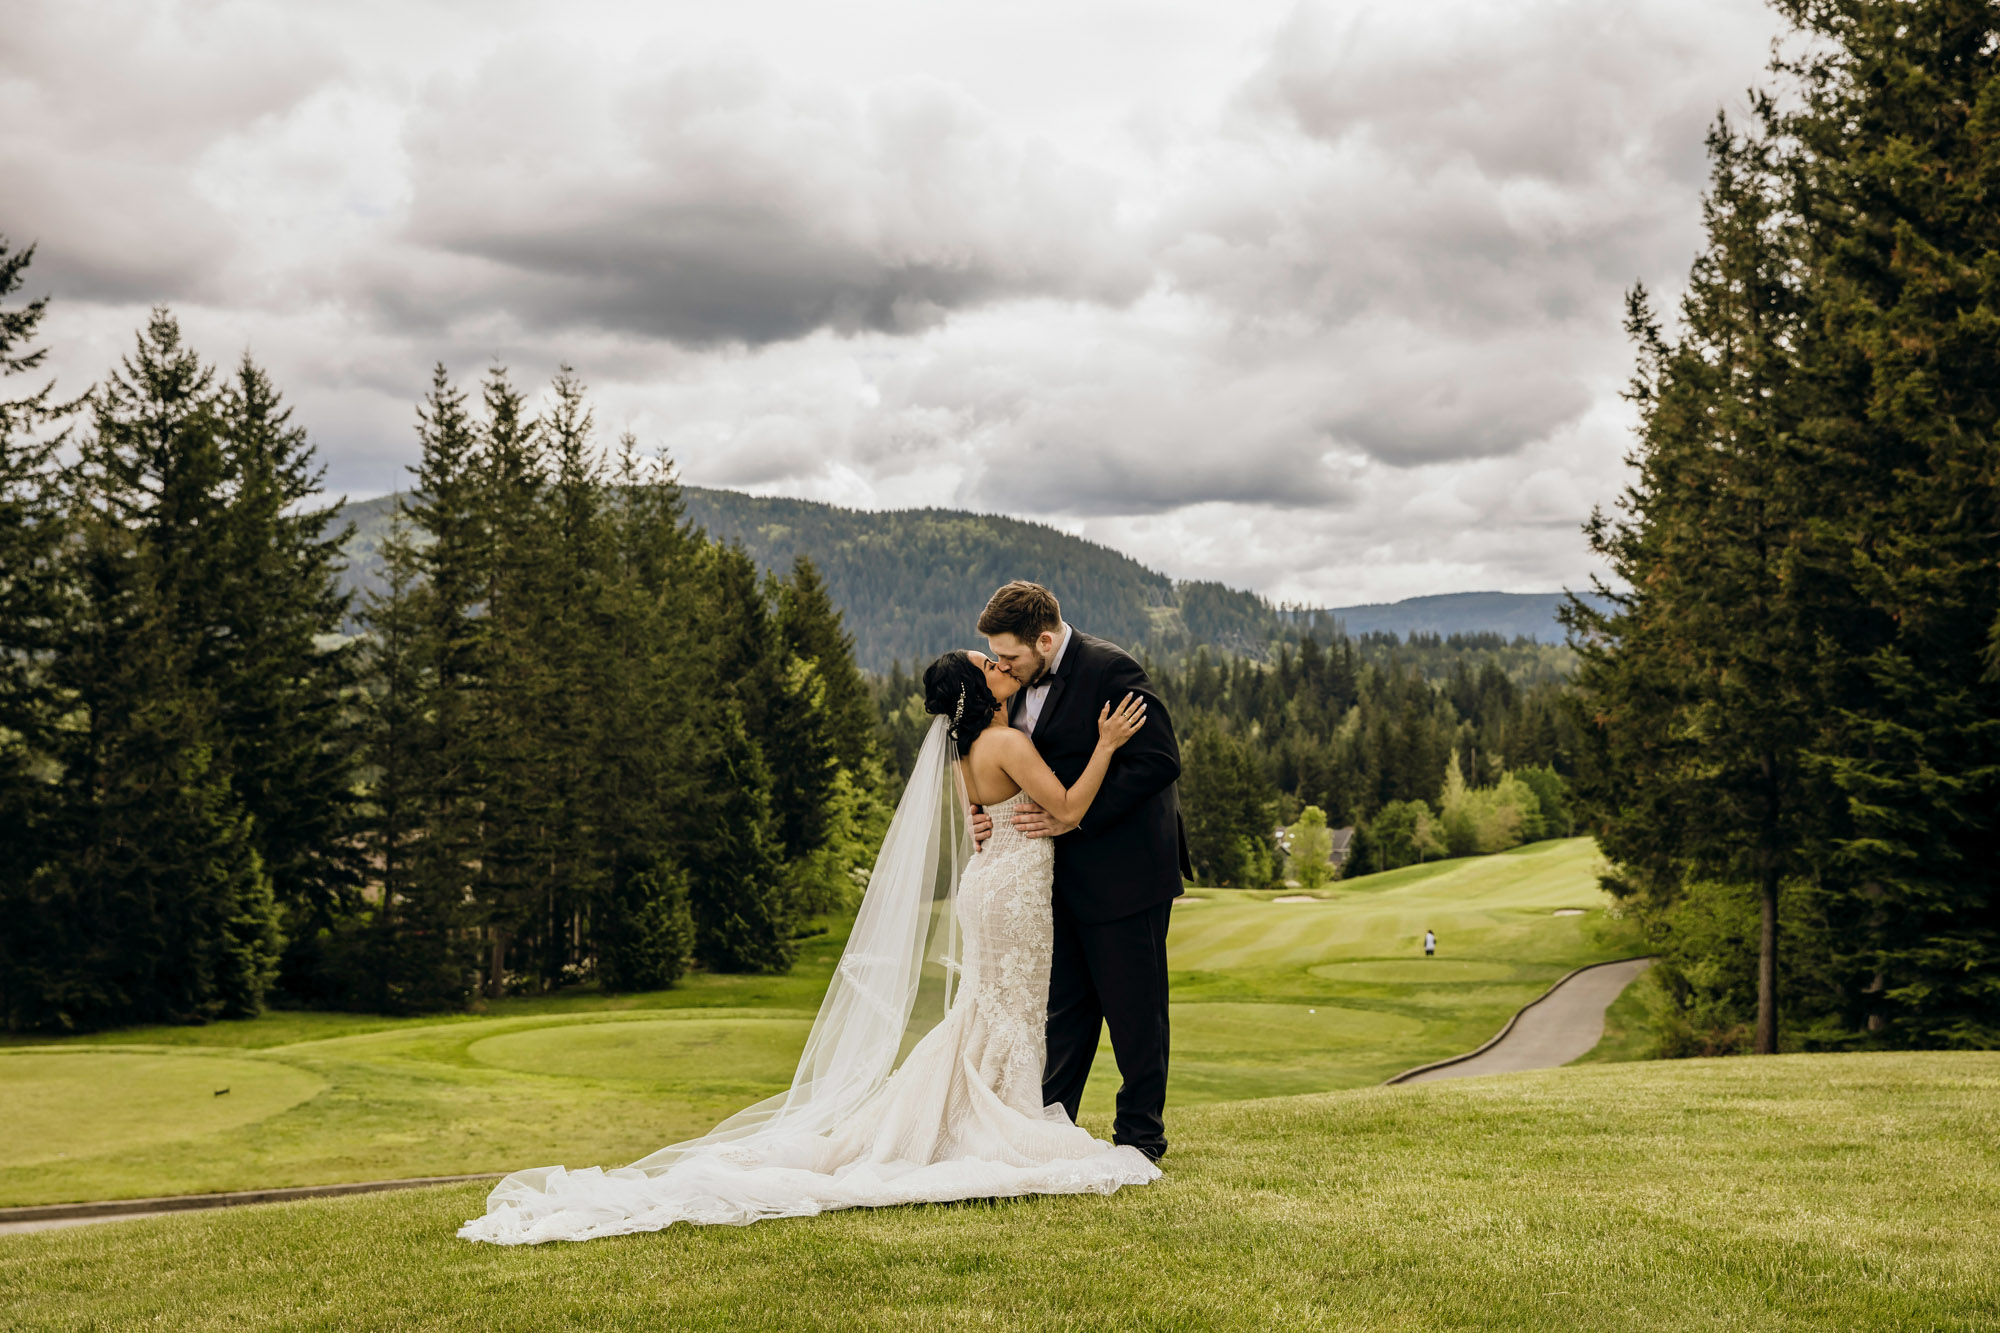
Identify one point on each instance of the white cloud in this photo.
(1316, 298)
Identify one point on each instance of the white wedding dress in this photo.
(961, 1117)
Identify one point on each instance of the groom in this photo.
(1116, 874)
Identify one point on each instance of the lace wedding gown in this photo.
(961, 1118)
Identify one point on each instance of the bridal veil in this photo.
(893, 984)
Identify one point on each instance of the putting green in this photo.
(68, 1104)
(1414, 971)
(696, 1050)
(1281, 1033)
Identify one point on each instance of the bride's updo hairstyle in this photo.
(955, 689)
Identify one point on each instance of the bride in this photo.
(949, 962)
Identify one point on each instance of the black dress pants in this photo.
(1115, 973)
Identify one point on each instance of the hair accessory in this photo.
(959, 711)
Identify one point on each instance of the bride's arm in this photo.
(1025, 765)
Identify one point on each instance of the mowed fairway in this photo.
(1270, 999)
(1273, 998)
(1821, 1192)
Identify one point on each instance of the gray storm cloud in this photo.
(1332, 311)
(714, 205)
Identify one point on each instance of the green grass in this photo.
(1629, 1033)
(1270, 999)
(1822, 1192)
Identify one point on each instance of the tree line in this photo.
(577, 738)
(1791, 707)
(1427, 746)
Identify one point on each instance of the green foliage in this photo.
(1552, 803)
(187, 606)
(577, 736)
(1402, 833)
(647, 934)
(1477, 821)
(1230, 806)
(34, 529)
(742, 914)
(617, 749)
(1308, 857)
(1796, 694)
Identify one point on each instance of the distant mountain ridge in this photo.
(911, 581)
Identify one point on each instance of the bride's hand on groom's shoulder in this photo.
(1034, 822)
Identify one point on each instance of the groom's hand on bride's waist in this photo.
(1034, 822)
(982, 826)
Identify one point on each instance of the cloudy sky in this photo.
(1319, 298)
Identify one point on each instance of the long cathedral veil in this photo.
(893, 984)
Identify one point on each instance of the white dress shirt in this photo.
(1030, 711)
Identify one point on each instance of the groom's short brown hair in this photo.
(1025, 610)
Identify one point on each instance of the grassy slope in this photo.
(1800, 1192)
(1270, 999)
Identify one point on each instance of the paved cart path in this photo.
(51, 1217)
(1565, 1023)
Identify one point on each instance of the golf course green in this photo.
(1807, 1192)
(1271, 998)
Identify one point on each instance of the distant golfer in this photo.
(1430, 943)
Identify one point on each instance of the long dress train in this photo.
(961, 1118)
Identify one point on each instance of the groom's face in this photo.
(1025, 661)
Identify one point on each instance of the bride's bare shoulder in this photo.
(994, 742)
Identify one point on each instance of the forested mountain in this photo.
(1512, 615)
(910, 582)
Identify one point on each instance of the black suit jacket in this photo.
(1130, 853)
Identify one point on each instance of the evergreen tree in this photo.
(1895, 153)
(33, 604)
(651, 754)
(810, 628)
(283, 679)
(414, 953)
(1699, 679)
(568, 586)
(647, 931)
(508, 747)
(742, 915)
(432, 817)
(156, 896)
(1230, 809)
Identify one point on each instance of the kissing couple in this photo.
(1018, 905)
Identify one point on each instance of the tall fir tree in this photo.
(809, 625)
(1896, 179)
(285, 679)
(570, 585)
(509, 747)
(1231, 808)
(413, 954)
(1698, 682)
(160, 896)
(741, 902)
(650, 751)
(433, 619)
(33, 604)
